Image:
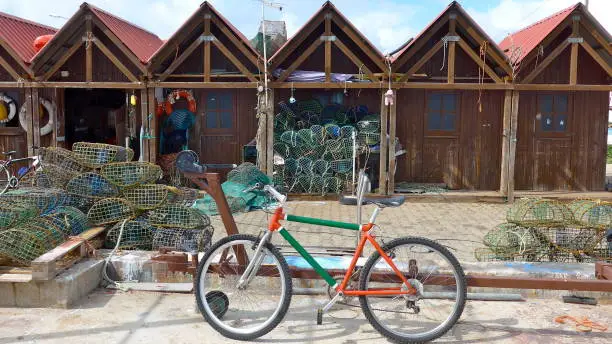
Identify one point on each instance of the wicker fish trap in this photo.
(137, 234)
(110, 210)
(96, 155)
(92, 185)
(147, 196)
(176, 216)
(129, 174)
(182, 239)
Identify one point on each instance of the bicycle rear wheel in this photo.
(5, 178)
(436, 275)
(243, 313)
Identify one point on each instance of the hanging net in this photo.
(129, 174)
(95, 155)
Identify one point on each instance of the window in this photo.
(442, 112)
(219, 111)
(552, 113)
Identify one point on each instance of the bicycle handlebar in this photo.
(269, 189)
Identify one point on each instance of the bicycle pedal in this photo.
(319, 316)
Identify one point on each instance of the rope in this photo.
(445, 40)
(583, 324)
(481, 72)
(107, 261)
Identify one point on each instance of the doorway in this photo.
(218, 123)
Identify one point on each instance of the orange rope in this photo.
(582, 325)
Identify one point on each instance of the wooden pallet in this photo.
(52, 263)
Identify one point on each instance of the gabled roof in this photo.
(530, 37)
(453, 6)
(20, 33)
(327, 6)
(141, 42)
(172, 41)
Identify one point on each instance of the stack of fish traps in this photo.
(549, 230)
(314, 145)
(98, 185)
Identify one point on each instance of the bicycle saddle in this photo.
(9, 153)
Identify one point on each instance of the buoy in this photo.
(7, 114)
(49, 106)
(41, 41)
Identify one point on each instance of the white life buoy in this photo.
(12, 107)
(49, 106)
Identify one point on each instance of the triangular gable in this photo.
(205, 47)
(464, 39)
(325, 38)
(568, 34)
(17, 36)
(87, 30)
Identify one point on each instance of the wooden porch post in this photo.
(207, 18)
(328, 42)
(513, 139)
(451, 49)
(503, 183)
(392, 134)
(144, 110)
(29, 128)
(88, 50)
(382, 175)
(35, 118)
(154, 140)
(574, 52)
(269, 132)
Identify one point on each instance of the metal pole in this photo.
(353, 137)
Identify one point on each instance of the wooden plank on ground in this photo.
(15, 278)
(151, 286)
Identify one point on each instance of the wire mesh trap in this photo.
(148, 196)
(96, 155)
(62, 158)
(137, 235)
(13, 213)
(110, 210)
(44, 199)
(129, 174)
(49, 176)
(539, 212)
(591, 213)
(177, 216)
(91, 185)
(22, 245)
(182, 239)
(70, 219)
(182, 195)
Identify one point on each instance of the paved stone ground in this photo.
(138, 317)
(458, 225)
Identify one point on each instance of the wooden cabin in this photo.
(213, 62)
(450, 81)
(17, 36)
(89, 69)
(329, 60)
(563, 81)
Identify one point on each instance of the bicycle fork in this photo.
(255, 263)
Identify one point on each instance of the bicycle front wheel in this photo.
(5, 178)
(433, 272)
(249, 311)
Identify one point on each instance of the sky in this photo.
(386, 23)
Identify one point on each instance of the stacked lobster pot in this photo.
(102, 184)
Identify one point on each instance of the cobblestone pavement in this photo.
(138, 317)
(458, 225)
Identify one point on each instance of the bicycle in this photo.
(244, 284)
(10, 181)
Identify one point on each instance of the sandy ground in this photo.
(140, 317)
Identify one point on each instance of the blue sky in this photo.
(387, 23)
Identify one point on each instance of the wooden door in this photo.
(218, 123)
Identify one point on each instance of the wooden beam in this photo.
(597, 57)
(16, 57)
(270, 133)
(35, 118)
(88, 50)
(328, 57)
(382, 165)
(392, 134)
(476, 58)
(550, 58)
(153, 130)
(418, 44)
(450, 71)
(144, 112)
(297, 62)
(184, 55)
(501, 60)
(14, 84)
(512, 143)
(356, 61)
(407, 85)
(597, 35)
(428, 55)
(29, 128)
(360, 42)
(10, 69)
(573, 72)
(114, 60)
(562, 87)
(248, 53)
(77, 84)
(503, 184)
(68, 54)
(244, 70)
(219, 85)
(119, 44)
(207, 48)
(294, 43)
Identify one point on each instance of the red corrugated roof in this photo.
(20, 33)
(141, 42)
(531, 36)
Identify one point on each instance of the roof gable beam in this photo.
(15, 57)
(416, 46)
(359, 41)
(10, 69)
(127, 52)
(184, 55)
(550, 58)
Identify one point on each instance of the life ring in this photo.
(49, 106)
(12, 107)
(160, 108)
(178, 94)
